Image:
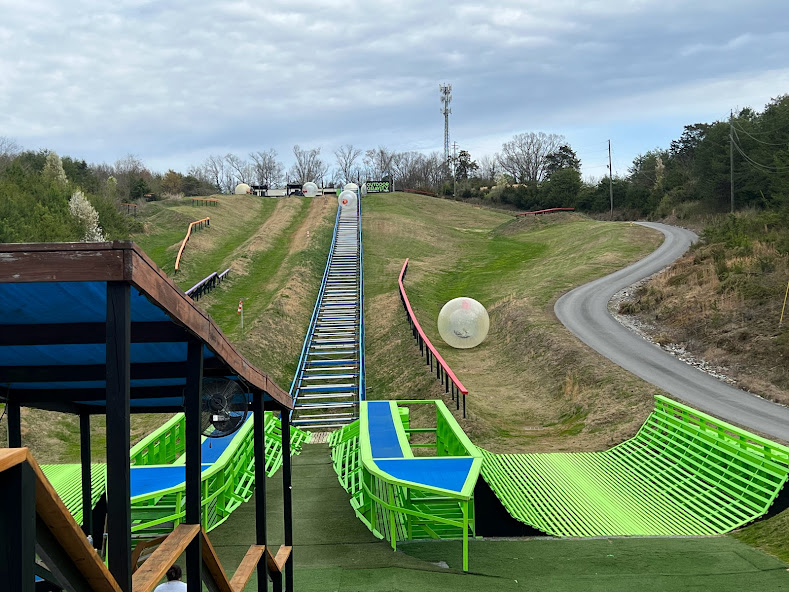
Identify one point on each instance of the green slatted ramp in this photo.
(684, 473)
(67, 481)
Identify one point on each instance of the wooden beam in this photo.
(91, 372)
(148, 575)
(14, 423)
(141, 547)
(192, 435)
(58, 520)
(118, 351)
(247, 567)
(277, 564)
(10, 457)
(82, 333)
(213, 566)
(17, 527)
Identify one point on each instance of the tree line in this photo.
(533, 170)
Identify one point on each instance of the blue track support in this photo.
(329, 382)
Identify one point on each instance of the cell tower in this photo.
(446, 99)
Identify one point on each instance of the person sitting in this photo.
(173, 583)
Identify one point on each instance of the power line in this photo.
(766, 167)
(737, 129)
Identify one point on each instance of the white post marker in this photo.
(241, 311)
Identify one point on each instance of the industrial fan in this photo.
(224, 407)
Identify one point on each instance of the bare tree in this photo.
(346, 162)
(241, 170)
(525, 157)
(489, 168)
(9, 150)
(216, 170)
(378, 162)
(268, 170)
(308, 166)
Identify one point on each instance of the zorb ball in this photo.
(347, 199)
(364, 188)
(350, 187)
(309, 189)
(463, 323)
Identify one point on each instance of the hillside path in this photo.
(584, 311)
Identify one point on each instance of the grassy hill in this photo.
(532, 385)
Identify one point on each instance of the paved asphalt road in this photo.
(585, 312)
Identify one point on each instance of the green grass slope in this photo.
(532, 385)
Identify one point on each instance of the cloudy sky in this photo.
(173, 81)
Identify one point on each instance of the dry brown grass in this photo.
(723, 306)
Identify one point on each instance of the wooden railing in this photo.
(58, 539)
(548, 211)
(69, 557)
(170, 548)
(444, 373)
(197, 223)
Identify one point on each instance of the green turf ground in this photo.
(334, 551)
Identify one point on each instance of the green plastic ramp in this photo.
(684, 473)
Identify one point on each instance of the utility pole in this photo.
(610, 180)
(731, 158)
(454, 170)
(446, 99)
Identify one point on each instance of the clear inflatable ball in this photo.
(463, 323)
(347, 199)
(350, 187)
(310, 189)
(364, 189)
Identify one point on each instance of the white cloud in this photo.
(174, 81)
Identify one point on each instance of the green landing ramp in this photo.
(684, 473)
(67, 481)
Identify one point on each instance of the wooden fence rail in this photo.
(196, 224)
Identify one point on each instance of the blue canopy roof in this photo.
(53, 329)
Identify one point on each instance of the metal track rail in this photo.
(329, 382)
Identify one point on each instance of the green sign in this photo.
(377, 186)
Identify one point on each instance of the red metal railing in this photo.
(443, 372)
(548, 211)
(199, 224)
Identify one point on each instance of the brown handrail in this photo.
(148, 575)
(443, 371)
(170, 549)
(199, 223)
(53, 514)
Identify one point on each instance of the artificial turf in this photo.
(334, 551)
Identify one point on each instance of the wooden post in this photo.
(287, 498)
(18, 528)
(118, 340)
(14, 424)
(193, 437)
(260, 484)
(87, 486)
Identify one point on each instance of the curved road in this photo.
(585, 312)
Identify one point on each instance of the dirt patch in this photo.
(314, 219)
